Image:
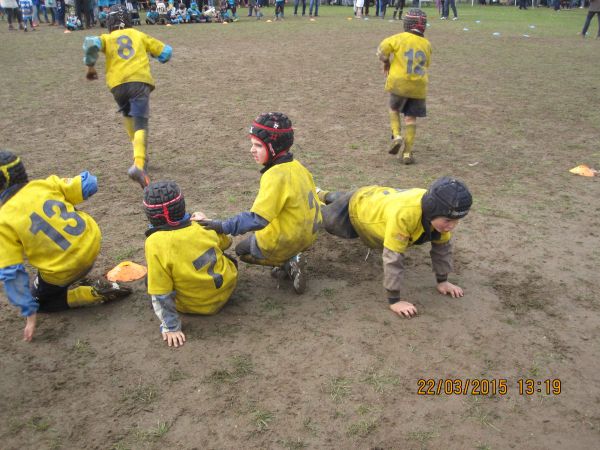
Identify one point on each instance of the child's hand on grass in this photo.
(447, 288)
(174, 338)
(404, 309)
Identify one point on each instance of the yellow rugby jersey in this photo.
(410, 56)
(287, 198)
(127, 56)
(40, 223)
(389, 217)
(190, 261)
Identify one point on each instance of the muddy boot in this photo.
(407, 158)
(296, 270)
(109, 290)
(396, 145)
(138, 175)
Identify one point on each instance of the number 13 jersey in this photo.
(41, 223)
(410, 56)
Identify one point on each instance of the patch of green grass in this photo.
(261, 419)
(327, 292)
(153, 434)
(310, 426)
(293, 444)
(483, 446)
(340, 388)
(421, 436)
(176, 375)
(480, 414)
(362, 428)
(269, 305)
(125, 253)
(141, 395)
(379, 381)
(83, 348)
(120, 446)
(39, 423)
(242, 367)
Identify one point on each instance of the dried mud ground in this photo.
(333, 368)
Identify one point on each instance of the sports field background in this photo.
(334, 368)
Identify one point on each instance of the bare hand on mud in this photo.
(29, 328)
(174, 338)
(447, 288)
(404, 309)
(198, 215)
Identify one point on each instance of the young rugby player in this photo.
(38, 221)
(187, 269)
(128, 77)
(286, 213)
(406, 57)
(395, 219)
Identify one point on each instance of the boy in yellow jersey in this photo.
(187, 269)
(406, 57)
(395, 219)
(128, 77)
(38, 221)
(286, 213)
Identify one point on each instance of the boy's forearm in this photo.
(164, 307)
(441, 260)
(91, 47)
(16, 286)
(393, 273)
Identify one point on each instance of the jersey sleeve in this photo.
(153, 46)
(71, 188)
(271, 198)
(224, 241)
(385, 48)
(397, 235)
(12, 248)
(160, 281)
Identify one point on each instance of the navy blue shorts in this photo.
(133, 99)
(50, 297)
(412, 107)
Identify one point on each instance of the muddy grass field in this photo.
(333, 368)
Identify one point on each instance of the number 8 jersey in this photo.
(126, 54)
(408, 69)
(40, 222)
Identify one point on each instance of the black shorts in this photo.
(133, 99)
(412, 107)
(50, 297)
(336, 216)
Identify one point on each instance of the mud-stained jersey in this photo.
(410, 56)
(190, 261)
(389, 217)
(287, 198)
(40, 223)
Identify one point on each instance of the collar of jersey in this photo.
(287, 157)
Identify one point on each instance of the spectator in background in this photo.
(314, 3)
(50, 5)
(11, 7)
(446, 10)
(296, 3)
(593, 9)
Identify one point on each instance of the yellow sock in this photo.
(82, 296)
(395, 123)
(139, 149)
(129, 127)
(409, 138)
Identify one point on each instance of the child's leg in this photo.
(409, 139)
